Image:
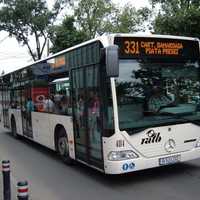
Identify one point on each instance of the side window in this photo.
(79, 102)
(79, 92)
(94, 104)
(6, 97)
(60, 94)
(23, 99)
(39, 94)
(15, 99)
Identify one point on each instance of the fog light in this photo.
(122, 155)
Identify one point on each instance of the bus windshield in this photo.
(151, 93)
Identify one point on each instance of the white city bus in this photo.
(119, 103)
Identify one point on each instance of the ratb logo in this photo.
(152, 137)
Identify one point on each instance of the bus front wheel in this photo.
(63, 147)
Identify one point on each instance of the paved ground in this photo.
(50, 179)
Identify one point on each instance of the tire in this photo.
(63, 147)
(14, 128)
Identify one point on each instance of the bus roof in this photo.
(107, 40)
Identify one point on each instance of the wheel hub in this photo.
(63, 145)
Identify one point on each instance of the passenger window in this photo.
(60, 96)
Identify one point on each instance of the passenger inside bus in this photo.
(94, 115)
(49, 105)
(80, 110)
(64, 105)
(14, 104)
(29, 105)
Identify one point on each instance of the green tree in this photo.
(91, 15)
(92, 18)
(66, 35)
(178, 17)
(28, 21)
(96, 17)
(127, 19)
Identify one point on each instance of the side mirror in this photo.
(112, 61)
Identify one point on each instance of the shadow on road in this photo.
(166, 172)
(161, 173)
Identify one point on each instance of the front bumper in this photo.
(125, 166)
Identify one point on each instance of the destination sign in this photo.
(156, 47)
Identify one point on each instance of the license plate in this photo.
(169, 160)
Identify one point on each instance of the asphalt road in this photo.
(50, 179)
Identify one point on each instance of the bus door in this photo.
(26, 113)
(86, 115)
(5, 104)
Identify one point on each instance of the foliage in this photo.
(96, 17)
(178, 17)
(66, 35)
(90, 16)
(128, 19)
(28, 21)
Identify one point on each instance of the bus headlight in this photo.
(122, 155)
(198, 143)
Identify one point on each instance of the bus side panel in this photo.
(66, 121)
(18, 119)
(41, 131)
(44, 126)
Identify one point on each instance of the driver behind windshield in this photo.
(158, 100)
